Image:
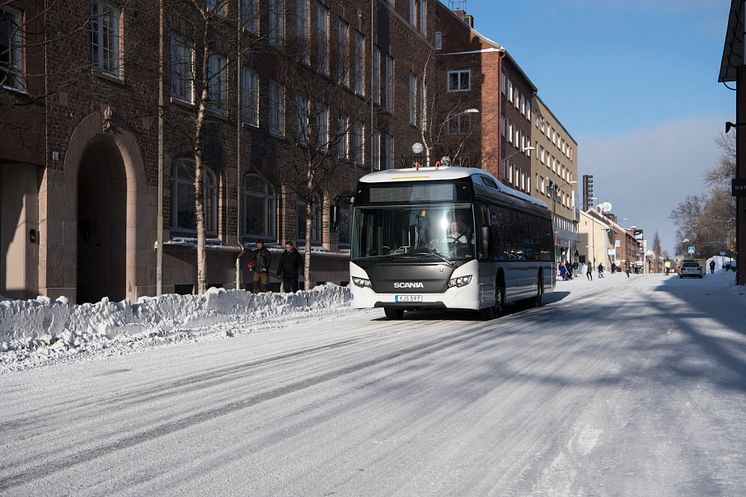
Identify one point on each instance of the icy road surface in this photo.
(615, 388)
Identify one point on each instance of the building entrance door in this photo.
(102, 223)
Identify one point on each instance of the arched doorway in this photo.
(102, 223)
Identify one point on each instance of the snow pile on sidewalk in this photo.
(46, 327)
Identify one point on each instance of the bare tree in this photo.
(326, 128)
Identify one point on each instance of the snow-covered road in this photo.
(616, 387)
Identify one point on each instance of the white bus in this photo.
(447, 238)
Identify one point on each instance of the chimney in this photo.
(468, 19)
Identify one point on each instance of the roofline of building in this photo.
(727, 69)
(594, 218)
(491, 42)
(557, 119)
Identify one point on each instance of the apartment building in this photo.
(79, 165)
(487, 100)
(554, 168)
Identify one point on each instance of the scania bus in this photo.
(447, 238)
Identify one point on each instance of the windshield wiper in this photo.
(440, 256)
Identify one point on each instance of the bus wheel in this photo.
(496, 310)
(393, 312)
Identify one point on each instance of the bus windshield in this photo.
(429, 232)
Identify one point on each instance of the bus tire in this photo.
(493, 312)
(393, 312)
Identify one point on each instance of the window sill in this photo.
(108, 77)
(249, 125)
(181, 103)
(460, 91)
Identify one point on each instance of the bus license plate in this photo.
(408, 298)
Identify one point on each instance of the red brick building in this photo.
(477, 73)
(81, 159)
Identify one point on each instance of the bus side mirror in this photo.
(484, 232)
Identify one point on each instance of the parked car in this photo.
(691, 269)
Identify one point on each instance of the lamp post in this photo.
(519, 151)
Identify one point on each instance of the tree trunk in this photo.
(199, 204)
(309, 226)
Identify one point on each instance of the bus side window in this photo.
(497, 240)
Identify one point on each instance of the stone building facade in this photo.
(554, 169)
(82, 161)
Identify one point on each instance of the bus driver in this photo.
(455, 235)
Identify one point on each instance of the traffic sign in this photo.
(738, 187)
(722, 253)
(691, 250)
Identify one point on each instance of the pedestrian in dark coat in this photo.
(589, 271)
(289, 267)
(259, 262)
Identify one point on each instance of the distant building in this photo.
(595, 241)
(554, 168)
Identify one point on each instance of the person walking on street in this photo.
(589, 272)
(289, 267)
(712, 267)
(626, 269)
(600, 270)
(259, 262)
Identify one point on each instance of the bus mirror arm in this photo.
(484, 232)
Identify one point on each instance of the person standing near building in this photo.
(601, 270)
(289, 267)
(712, 266)
(259, 262)
(589, 271)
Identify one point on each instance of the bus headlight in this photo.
(361, 282)
(459, 282)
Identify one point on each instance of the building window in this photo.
(376, 81)
(11, 48)
(503, 82)
(302, 33)
(276, 109)
(413, 99)
(388, 152)
(276, 28)
(322, 38)
(459, 80)
(183, 216)
(510, 91)
(438, 40)
(321, 114)
(423, 16)
(376, 150)
(413, 11)
(182, 69)
(317, 209)
(359, 63)
(250, 15)
(105, 37)
(218, 6)
(216, 82)
(344, 220)
(301, 111)
(250, 97)
(343, 40)
(343, 130)
(259, 209)
(459, 124)
(358, 143)
(389, 83)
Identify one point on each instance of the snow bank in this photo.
(30, 324)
